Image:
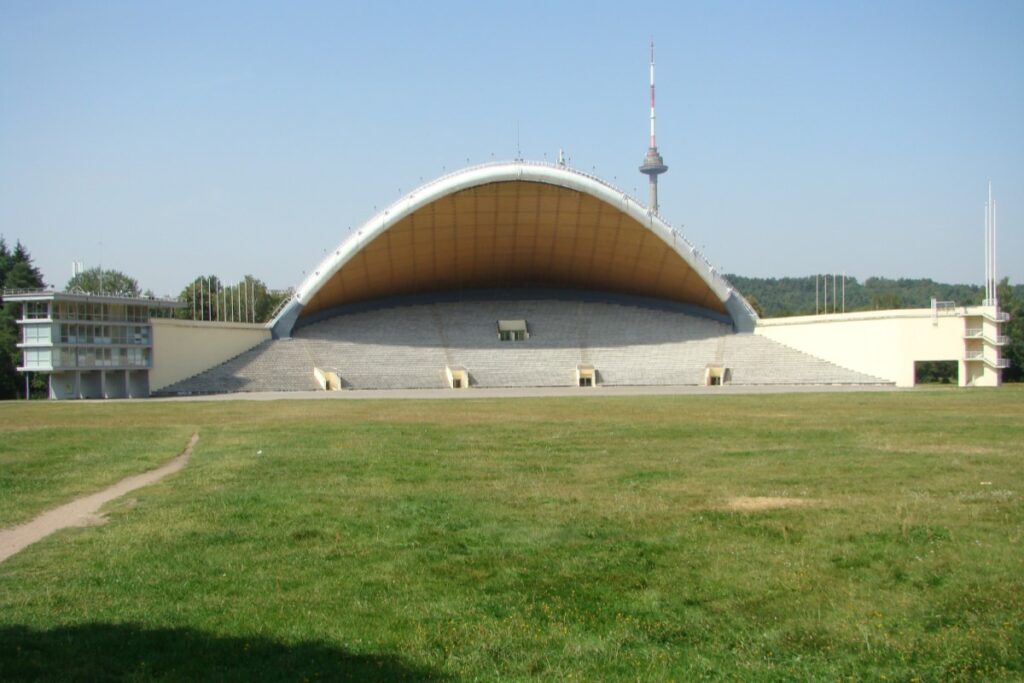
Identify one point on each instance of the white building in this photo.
(91, 346)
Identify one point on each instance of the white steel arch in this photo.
(743, 316)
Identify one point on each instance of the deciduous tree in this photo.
(100, 281)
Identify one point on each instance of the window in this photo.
(37, 359)
(37, 310)
(36, 334)
(137, 357)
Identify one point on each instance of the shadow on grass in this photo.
(126, 652)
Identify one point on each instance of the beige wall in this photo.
(880, 343)
(182, 348)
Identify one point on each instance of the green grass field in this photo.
(592, 538)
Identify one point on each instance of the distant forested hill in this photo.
(795, 295)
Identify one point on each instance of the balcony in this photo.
(979, 356)
(978, 333)
(998, 316)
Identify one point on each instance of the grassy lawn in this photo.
(52, 453)
(779, 537)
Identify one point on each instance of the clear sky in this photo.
(173, 138)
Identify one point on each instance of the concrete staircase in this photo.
(273, 365)
(754, 360)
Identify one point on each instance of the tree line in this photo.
(780, 297)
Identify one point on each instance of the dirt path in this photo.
(82, 511)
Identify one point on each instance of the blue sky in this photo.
(168, 139)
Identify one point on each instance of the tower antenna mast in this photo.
(653, 165)
(991, 283)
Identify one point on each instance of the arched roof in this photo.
(518, 224)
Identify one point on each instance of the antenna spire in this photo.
(654, 144)
(653, 164)
(991, 283)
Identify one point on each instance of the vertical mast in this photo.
(653, 165)
(991, 281)
(654, 144)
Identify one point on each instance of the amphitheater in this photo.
(514, 275)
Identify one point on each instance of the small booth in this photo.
(458, 377)
(513, 330)
(715, 375)
(586, 376)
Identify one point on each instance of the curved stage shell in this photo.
(514, 275)
(519, 225)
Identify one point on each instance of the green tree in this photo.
(16, 272)
(100, 281)
(207, 297)
(196, 296)
(1012, 303)
(780, 297)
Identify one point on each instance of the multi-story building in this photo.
(91, 346)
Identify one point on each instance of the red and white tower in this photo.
(653, 165)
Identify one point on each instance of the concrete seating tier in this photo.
(628, 344)
(281, 365)
(408, 347)
(753, 359)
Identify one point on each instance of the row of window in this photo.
(78, 310)
(71, 333)
(71, 310)
(75, 310)
(46, 359)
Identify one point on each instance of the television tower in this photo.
(653, 165)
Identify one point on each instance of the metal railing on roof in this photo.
(998, 316)
(50, 291)
(280, 307)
